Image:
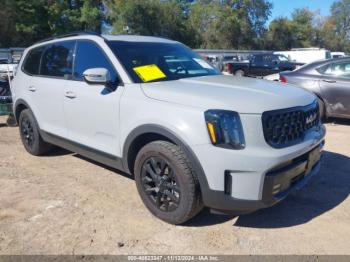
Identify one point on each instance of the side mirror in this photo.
(97, 76)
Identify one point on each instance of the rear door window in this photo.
(57, 60)
(268, 59)
(32, 62)
(258, 59)
(337, 69)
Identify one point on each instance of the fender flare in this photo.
(17, 104)
(163, 131)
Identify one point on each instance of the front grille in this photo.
(287, 127)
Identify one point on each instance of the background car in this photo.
(260, 65)
(9, 58)
(329, 80)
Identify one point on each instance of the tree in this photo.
(302, 27)
(280, 35)
(238, 24)
(305, 29)
(152, 17)
(6, 23)
(230, 24)
(28, 21)
(340, 22)
(340, 11)
(74, 15)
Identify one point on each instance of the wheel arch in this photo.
(325, 104)
(144, 134)
(239, 69)
(19, 106)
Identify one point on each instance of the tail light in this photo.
(283, 79)
(230, 67)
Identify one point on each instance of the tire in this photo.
(239, 73)
(322, 109)
(30, 135)
(166, 183)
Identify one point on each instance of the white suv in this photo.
(153, 108)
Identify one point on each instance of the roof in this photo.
(137, 38)
(128, 38)
(322, 62)
(308, 49)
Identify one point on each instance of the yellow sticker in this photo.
(149, 72)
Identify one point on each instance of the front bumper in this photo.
(278, 183)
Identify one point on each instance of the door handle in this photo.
(32, 88)
(70, 94)
(329, 81)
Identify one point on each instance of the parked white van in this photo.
(306, 55)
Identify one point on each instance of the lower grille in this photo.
(287, 127)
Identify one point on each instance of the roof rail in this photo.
(78, 33)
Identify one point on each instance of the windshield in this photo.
(150, 62)
(283, 58)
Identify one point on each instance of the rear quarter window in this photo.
(32, 61)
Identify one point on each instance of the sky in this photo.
(286, 7)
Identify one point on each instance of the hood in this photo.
(240, 94)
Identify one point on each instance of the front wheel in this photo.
(166, 183)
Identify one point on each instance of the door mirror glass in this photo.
(97, 76)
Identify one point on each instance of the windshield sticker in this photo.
(149, 72)
(202, 63)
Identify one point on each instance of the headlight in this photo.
(225, 129)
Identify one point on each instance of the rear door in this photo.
(335, 88)
(92, 110)
(46, 86)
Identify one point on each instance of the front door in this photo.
(92, 110)
(257, 65)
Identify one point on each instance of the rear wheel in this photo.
(239, 73)
(166, 183)
(30, 135)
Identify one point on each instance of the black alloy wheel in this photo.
(30, 134)
(27, 132)
(160, 184)
(166, 182)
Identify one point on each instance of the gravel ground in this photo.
(65, 204)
